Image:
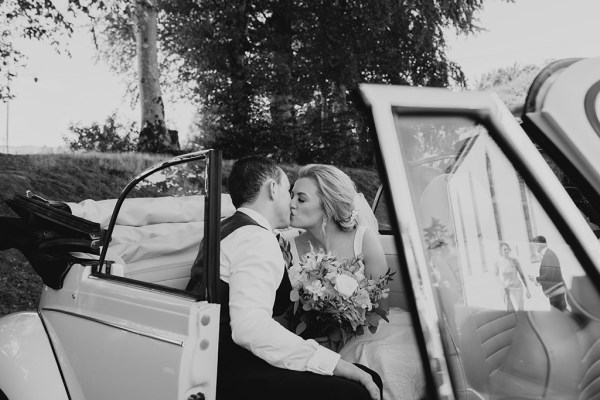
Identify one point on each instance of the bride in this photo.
(338, 220)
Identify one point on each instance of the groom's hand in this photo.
(350, 371)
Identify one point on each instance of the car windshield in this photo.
(156, 235)
(511, 295)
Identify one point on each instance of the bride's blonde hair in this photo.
(336, 191)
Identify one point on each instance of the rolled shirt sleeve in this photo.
(256, 268)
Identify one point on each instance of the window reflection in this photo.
(160, 225)
(495, 283)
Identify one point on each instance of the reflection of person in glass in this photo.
(508, 270)
(550, 276)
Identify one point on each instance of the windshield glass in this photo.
(505, 280)
(159, 225)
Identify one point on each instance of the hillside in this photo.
(73, 178)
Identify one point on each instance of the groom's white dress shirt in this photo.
(253, 266)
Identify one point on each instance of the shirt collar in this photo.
(262, 221)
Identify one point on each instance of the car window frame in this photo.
(212, 213)
(487, 110)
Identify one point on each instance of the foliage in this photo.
(334, 298)
(37, 20)
(511, 83)
(436, 234)
(111, 137)
(181, 180)
(280, 77)
(21, 287)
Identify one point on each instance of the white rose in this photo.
(331, 276)
(310, 265)
(363, 300)
(360, 274)
(345, 285)
(317, 289)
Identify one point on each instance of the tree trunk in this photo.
(154, 136)
(240, 88)
(339, 104)
(281, 108)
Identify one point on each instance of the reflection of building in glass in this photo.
(466, 209)
(469, 198)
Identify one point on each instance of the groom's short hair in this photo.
(247, 177)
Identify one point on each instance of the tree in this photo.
(36, 20)
(280, 76)
(154, 136)
(511, 83)
(389, 42)
(129, 34)
(111, 137)
(211, 42)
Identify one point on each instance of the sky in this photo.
(80, 90)
(528, 31)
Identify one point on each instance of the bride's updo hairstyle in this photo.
(336, 191)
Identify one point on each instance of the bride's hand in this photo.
(350, 371)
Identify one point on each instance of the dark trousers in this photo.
(250, 377)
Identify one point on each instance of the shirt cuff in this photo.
(324, 361)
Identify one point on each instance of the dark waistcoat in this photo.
(282, 296)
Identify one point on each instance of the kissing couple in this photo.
(258, 357)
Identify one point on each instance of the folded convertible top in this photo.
(46, 233)
(55, 214)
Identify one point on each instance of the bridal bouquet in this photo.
(334, 299)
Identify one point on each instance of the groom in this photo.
(550, 276)
(258, 357)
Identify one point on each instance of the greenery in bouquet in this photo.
(334, 299)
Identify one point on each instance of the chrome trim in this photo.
(141, 285)
(130, 330)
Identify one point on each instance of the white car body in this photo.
(100, 334)
(120, 324)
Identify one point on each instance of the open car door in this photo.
(463, 183)
(121, 325)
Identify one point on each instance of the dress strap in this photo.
(358, 240)
(294, 251)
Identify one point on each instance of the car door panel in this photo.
(154, 339)
(491, 186)
(118, 337)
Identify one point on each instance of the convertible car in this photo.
(461, 178)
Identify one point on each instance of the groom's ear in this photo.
(272, 189)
